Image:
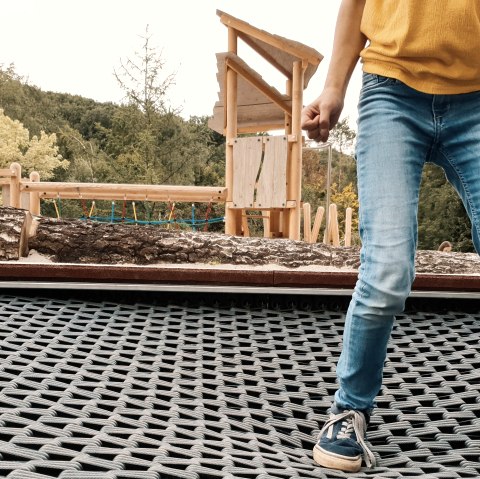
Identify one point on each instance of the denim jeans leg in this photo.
(393, 142)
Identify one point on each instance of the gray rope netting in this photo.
(194, 389)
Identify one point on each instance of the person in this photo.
(419, 102)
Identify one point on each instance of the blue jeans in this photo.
(399, 130)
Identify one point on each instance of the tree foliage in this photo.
(342, 136)
(342, 180)
(346, 198)
(39, 153)
(441, 214)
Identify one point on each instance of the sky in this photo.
(74, 46)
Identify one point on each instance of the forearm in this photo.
(322, 114)
(347, 45)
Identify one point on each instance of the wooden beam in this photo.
(269, 58)
(348, 227)
(34, 200)
(259, 84)
(15, 185)
(8, 172)
(290, 139)
(259, 128)
(126, 191)
(293, 48)
(307, 223)
(317, 223)
(294, 177)
(233, 220)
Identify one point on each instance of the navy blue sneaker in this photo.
(341, 443)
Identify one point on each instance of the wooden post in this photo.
(307, 232)
(294, 190)
(275, 224)
(232, 217)
(285, 215)
(267, 230)
(317, 223)
(245, 228)
(15, 185)
(34, 196)
(331, 230)
(348, 227)
(329, 193)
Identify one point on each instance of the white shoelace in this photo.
(352, 421)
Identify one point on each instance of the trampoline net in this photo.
(203, 389)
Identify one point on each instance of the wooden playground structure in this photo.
(263, 175)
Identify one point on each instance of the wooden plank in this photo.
(245, 228)
(15, 185)
(272, 182)
(258, 127)
(257, 81)
(6, 194)
(331, 232)
(233, 224)
(24, 201)
(348, 227)
(266, 55)
(126, 191)
(124, 187)
(296, 49)
(34, 201)
(275, 223)
(7, 172)
(317, 223)
(295, 160)
(307, 223)
(171, 197)
(247, 155)
(255, 111)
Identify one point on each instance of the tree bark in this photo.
(87, 242)
(77, 241)
(14, 229)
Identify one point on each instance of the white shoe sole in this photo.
(335, 461)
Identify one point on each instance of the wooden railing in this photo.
(26, 193)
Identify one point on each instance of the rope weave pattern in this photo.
(194, 389)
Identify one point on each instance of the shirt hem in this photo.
(430, 86)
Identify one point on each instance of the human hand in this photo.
(322, 114)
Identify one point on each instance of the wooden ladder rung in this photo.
(255, 216)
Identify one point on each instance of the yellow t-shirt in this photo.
(431, 45)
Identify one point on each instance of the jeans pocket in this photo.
(372, 80)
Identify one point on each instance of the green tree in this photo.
(149, 140)
(342, 136)
(346, 198)
(145, 127)
(39, 153)
(89, 163)
(441, 214)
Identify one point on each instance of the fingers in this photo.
(309, 118)
(320, 117)
(309, 121)
(317, 128)
(316, 121)
(324, 125)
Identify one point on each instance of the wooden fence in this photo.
(26, 193)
